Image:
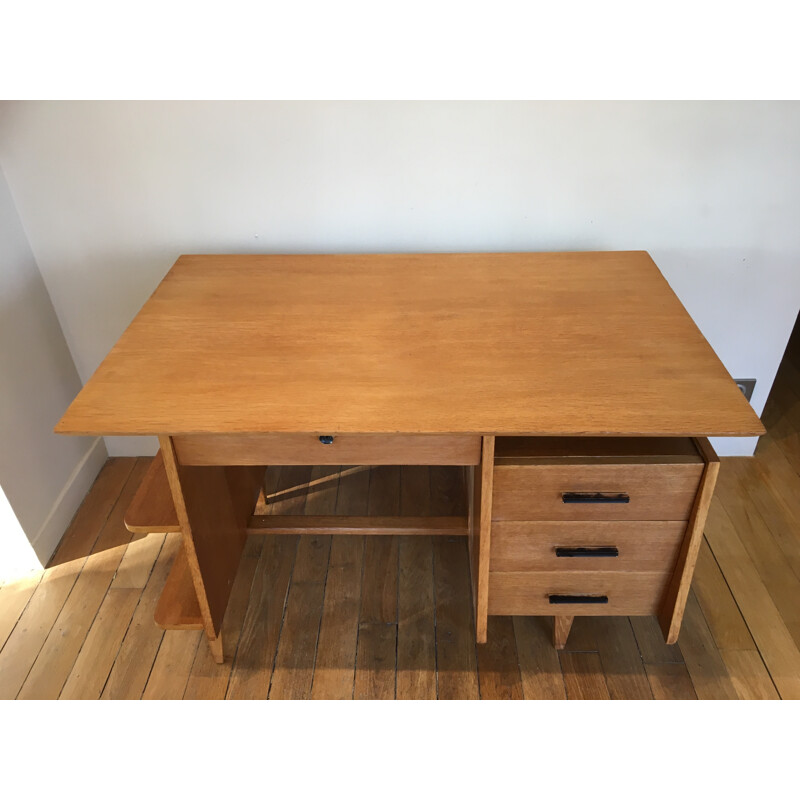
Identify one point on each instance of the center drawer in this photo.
(311, 448)
(639, 546)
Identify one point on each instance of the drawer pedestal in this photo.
(568, 527)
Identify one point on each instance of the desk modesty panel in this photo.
(571, 392)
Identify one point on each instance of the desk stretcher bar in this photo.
(153, 511)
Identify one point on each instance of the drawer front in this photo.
(534, 593)
(595, 491)
(308, 448)
(585, 546)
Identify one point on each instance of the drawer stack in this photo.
(588, 526)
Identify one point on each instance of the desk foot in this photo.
(215, 645)
(561, 629)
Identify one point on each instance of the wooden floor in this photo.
(385, 616)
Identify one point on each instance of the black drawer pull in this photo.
(568, 599)
(326, 439)
(587, 552)
(595, 497)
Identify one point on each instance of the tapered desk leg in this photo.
(671, 614)
(561, 629)
(213, 505)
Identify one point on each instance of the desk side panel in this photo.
(670, 615)
(480, 528)
(213, 506)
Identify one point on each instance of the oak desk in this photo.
(573, 387)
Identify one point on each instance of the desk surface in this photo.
(493, 343)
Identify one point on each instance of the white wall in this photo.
(43, 477)
(112, 193)
(16, 554)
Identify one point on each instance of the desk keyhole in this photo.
(326, 439)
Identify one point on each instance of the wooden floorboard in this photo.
(583, 676)
(456, 656)
(334, 671)
(207, 679)
(416, 626)
(670, 681)
(772, 637)
(99, 651)
(14, 598)
(293, 674)
(626, 677)
(60, 649)
(539, 665)
(416, 616)
(294, 663)
(335, 617)
(254, 659)
(170, 673)
(376, 659)
(703, 660)
(128, 676)
(499, 675)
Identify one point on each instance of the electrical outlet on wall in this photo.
(746, 386)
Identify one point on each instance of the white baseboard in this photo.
(68, 501)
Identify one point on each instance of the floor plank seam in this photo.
(150, 671)
(741, 614)
(435, 600)
(50, 629)
(50, 564)
(560, 670)
(319, 626)
(397, 597)
(92, 552)
(776, 600)
(361, 596)
(19, 616)
(283, 618)
(435, 623)
(475, 644)
(86, 635)
(641, 658)
(358, 621)
(360, 607)
(133, 614)
(199, 643)
(324, 587)
(160, 638)
(711, 634)
(235, 653)
(397, 584)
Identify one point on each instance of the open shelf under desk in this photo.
(432, 501)
(436, 504)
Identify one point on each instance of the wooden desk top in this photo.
(493, 343)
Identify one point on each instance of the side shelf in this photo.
(177, 607)
(152, 509)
